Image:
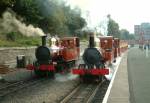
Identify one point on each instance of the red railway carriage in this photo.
(107, 46)
(68, 53)
(116, 47)
(70, 47)
(132, 42)
(123, 45)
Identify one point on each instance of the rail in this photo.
(11, 88)
(84, 93)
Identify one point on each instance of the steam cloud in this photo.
(9, 23)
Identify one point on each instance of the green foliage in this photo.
(17, 39)
(113, 28)
(125, 35)
(29, 10)
(32, 41)
(11, 36)
(5, 4)
(53, 16)
(132, 36)
(5, 43)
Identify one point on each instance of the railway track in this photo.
(84, 93)
(11, 88)
(98, 98)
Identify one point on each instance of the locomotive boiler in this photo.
(92, 56)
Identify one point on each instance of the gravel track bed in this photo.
(3, 84)
(48, 91)
(82, 94)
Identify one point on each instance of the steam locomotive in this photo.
(97, 58)
(50, 59)
(94, 63)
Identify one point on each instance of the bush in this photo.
(15, 39)
(11, 36)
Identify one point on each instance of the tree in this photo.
(60, 19)
(125, 35)
(29, 10)
(4, 4)
(132, 36)
(75, 23)
(113, 28)
(53, 16)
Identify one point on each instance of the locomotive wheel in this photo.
(61, 65)
(114, 60)
(71, 64)
(40, 73)
(90, 78)
(100, 77)
(59, 68)
(64, 66)
(50, 74)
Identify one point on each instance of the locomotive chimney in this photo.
(44, 40)
(91, 40)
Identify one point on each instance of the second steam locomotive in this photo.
(58, 57)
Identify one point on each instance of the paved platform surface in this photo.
(120, 88)
(132, 80)
(139, 75)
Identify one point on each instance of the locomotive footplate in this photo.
(41, 67)
(94, 71)
(83, 70)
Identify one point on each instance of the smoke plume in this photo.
(9, 23)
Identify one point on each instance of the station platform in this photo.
(131, 80)
(118, 90)
(139, 75)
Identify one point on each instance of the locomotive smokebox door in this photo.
(21, 62)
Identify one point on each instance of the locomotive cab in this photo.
(116, 47)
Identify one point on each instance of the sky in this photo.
(126, 13)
